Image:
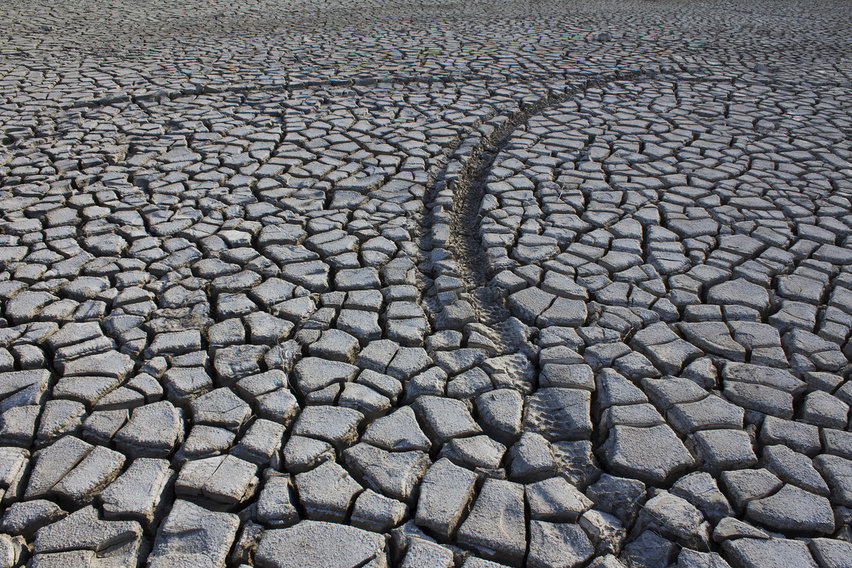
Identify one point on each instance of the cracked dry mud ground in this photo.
(425, 284)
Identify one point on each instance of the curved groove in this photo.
(466, 189)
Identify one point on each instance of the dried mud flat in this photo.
(351, 284)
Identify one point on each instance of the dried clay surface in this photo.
(416, 284)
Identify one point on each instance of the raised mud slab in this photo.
(425, 284)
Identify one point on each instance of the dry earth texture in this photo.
(417, 284)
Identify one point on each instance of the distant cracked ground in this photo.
(353, 284)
